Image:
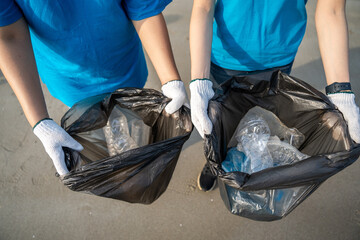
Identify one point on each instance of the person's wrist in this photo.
(36, 124)
(171, 81)
(342, 91)
(170, 86)
(199, 79)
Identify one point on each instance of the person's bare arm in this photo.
(155, 39)
(201, 30)
(332, 34)
(331, 26)
(18, 65)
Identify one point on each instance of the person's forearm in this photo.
(201, 30)
(18, 65)
(332, 34)
(155, 39)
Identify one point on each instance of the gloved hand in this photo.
(53, 137)
(201, 92)
(176, 91)
(345, 102)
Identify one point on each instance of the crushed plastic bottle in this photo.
(117, 133)
(283, 153)
(277, 128)
(262, 147)
(263, 141)
(253, 133)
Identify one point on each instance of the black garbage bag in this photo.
(138, 175)
(297, 105)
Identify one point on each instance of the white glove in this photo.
(53, 137)
(201, 92)
(345, 102)
(176, 91)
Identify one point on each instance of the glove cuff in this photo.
(343, 99)
(44, 127)
(40, 122)
(172, 84)
(203, 87)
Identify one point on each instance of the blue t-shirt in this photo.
(254, 35)
(84, 48)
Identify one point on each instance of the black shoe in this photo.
(206, 180)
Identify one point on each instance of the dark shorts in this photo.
(219, 75)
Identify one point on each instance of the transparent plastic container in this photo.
(283, 153)
(252, 138)
(117, 135)
(263, 141)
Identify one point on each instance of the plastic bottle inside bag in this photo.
(117, 133)
(252, 138)
(283, 153)
(277, 128)
(266, 142)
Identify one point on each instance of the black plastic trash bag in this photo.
(297, 105)
(138, 175)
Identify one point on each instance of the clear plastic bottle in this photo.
(253, 137)
(283, 153)
(266, 142)
(277, 128)
(117, 133)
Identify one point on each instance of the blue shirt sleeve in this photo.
(141, 9)
(9, 12)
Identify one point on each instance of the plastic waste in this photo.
(138, 175)
(265, 202)
(263, 151)
(264, 195)
(259, 120)
(280, 152)
(235, 161)
(283, 153)
(276, 126)
(253, 133)
(252, 136)
(117, 133)
(276, 201)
